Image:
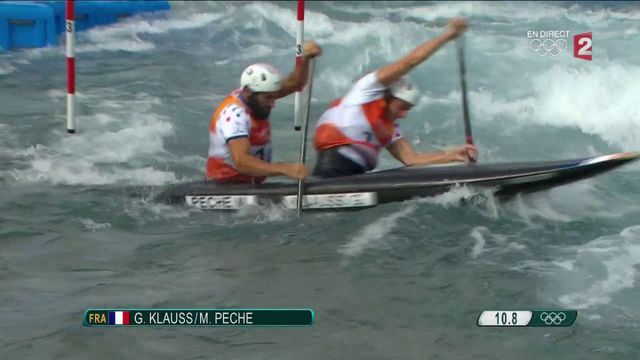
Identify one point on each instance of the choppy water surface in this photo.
(78, 228)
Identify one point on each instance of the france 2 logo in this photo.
(582, 46)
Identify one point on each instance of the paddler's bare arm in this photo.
(247, 164)
(396, 70)
(403, 151)
(298, 77)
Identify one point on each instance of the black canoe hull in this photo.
(398, 184)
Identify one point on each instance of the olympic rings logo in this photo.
(553, 318)
(548, 46)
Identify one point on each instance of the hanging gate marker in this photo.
(297, 104)
(71, 67)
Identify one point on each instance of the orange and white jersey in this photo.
(357, 120)
(232, 120)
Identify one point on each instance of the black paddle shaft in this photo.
(463, 86)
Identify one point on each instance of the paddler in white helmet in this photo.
(351, 133)
(240, 133)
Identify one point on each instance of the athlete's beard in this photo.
(260, 112)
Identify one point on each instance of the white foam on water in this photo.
(144, 137)
(125, 35)
(374, 234)
(132, 45)
(486, 203)
(543, 267)
(601, 18)
(610, 264)
(24, 56)
(592, 317)
(316, 25)
(566, 265)
(115, 147)
(145, 210)
(159, 26)
(631, 31)
(453, 98)
(338, 83)
(478, 247)
(540, 207)
(487, 106)
(255, 52)
(6, 68)
(60, 171)
(488, 243)
(92, 225)
(451, 198)
(56, 93)
(598, 100)
(196, 162)
(442, 12)
(574, 202)
(264, 214)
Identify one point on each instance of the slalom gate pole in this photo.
(297, 105)
(303, 146)
(71, 67)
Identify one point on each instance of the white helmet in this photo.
(260, 78)
(405, 89)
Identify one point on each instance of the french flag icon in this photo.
(118, 318)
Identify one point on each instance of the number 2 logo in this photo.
(582, 46)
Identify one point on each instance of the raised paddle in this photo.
(463, 86)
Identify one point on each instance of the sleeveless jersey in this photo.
(356, 124)
(231, 120)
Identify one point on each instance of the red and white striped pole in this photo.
(297, 105)
(71, 68)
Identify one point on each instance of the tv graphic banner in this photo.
(528, 318)
(198, 317)
(582, 46)
(552, 43)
